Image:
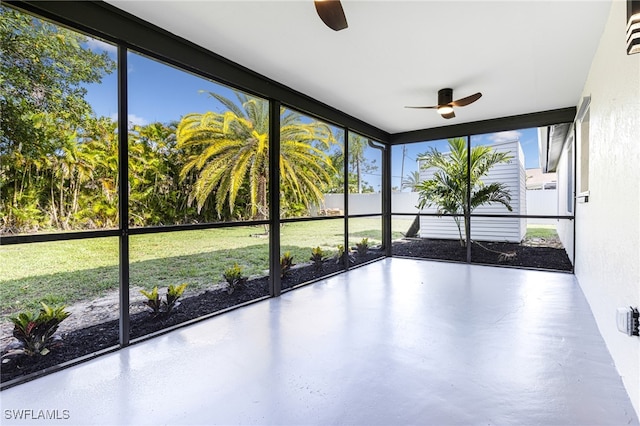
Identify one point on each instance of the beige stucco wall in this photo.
(608, 226)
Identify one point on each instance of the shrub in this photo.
(35, 331)
(286, 263)
(153, 300)
(362, 247)
(318, 256)
(171, 299)
(342, 255)
(234, 277)
(173, 294)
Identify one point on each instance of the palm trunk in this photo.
(414, 229)
(61, 202)
(54, 212)
(262, 198)
(463, 240)
(467, 227)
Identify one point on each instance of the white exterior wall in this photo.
(488, 229)
(565, 197)
(608, 226)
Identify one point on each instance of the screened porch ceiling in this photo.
(524, 56)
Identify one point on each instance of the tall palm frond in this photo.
(230, 151)
(447, 189)
(411, 181)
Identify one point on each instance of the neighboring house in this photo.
(538, 179)
(483, 228)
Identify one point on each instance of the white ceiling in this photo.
(523, 55)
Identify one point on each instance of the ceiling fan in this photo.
(332, 14)
(446, 103)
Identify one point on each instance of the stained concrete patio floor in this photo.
(396, 342)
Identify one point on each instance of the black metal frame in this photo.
(123, 197)
(514, 122)
(275, 286)
(130, 33)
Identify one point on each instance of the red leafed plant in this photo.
(35, 331)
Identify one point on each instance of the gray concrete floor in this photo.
(396, 342)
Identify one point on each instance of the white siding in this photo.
(488, 229)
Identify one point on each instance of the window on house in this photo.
(570, 177)
(584, 153)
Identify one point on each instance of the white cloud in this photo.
(133, 120)
(100, 46)
(505, 136)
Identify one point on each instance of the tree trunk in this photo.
(467, 228)
(413, 230)
(262, 198)
(463, 240)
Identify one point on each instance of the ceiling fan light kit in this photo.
(445, 109)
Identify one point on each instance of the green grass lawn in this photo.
(541, 231)
(63, 272)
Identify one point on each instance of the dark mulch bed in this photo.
(89, 340)
(489, 253)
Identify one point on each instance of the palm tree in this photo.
(447, 189)
(411, 181)
(230, 154)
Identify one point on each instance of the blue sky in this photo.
(159, 92)
(528, 140)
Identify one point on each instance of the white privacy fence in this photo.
(542, 202)
(538, 202)
(370, 203)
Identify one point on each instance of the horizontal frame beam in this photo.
(514, 122)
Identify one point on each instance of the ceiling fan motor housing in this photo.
(445, 96)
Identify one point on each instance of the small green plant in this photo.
(286, 263)
(35, 331)
(170, 301)
(234, 277)
(342, 255)
(173, 294)
(317, 257)
(153, 300)
(362, 247)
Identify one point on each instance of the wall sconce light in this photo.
(633, 26)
